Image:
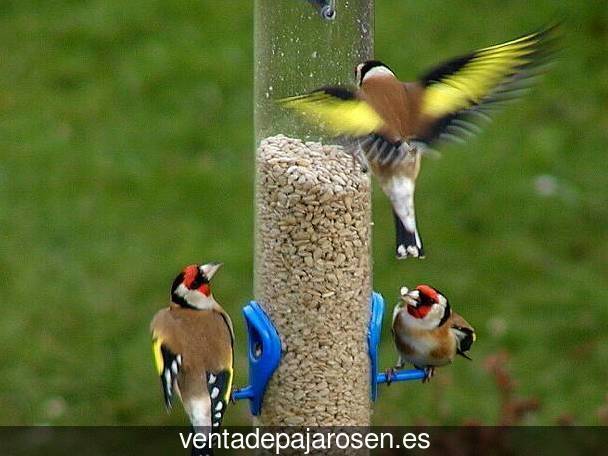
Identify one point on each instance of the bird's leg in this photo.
(390, 373)
(429, 372)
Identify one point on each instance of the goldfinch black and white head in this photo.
(386, 124)
(426, 307)
(192, 287)
(370, 69)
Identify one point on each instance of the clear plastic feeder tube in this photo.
(313, 213)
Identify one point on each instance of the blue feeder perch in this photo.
(373, 339)
(264, 356)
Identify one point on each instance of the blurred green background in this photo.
(126, 152)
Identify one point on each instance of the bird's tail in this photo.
(202, 450)
(409, 243)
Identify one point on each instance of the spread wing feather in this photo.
(467, 89)
(379, 150)
(338, 110)
(342, 114)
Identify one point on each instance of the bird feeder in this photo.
(313, 217)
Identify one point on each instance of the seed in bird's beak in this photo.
(210, 269)
(412, 297)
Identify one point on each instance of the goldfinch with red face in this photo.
(426, 332)
(387, 124)
(193, 348)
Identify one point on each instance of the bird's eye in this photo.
(197, 282)
(426, 300)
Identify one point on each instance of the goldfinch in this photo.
(192, 341)
(426, 332)
(387, 124)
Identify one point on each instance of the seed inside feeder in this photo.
(313, 278)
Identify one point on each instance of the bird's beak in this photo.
(411, 297)
(210, 269)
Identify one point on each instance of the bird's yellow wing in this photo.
(158, 355)
(470, 84)
(336, 110)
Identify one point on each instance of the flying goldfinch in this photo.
(426, 332)
(387, 124)
(192, 341)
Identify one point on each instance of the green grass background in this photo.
(126, 152)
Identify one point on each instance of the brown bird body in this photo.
(203, 338)
(427, 333)
(192, 341)
(397, 107)
(397, 103)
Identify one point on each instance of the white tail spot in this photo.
(413, 251)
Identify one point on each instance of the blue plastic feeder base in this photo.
(264, 356)
(265, 352)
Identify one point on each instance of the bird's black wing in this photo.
(465, 337)
(219, 385)
(168, 365)
(466, 90)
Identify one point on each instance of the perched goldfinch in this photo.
(427, 333)
(193, 347)
(387, 124)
